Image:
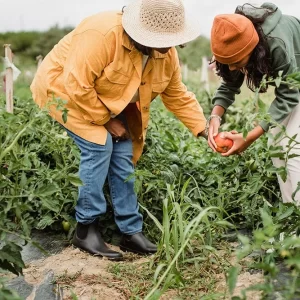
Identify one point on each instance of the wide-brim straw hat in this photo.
(159, 23)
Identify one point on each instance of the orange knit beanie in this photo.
(233, 37)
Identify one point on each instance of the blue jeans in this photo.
(113, 161)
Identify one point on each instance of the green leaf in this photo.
(244, 239)
(65, 115)
(44, 222)
(293, 155)
(262, 106)
(158, 270)
(277, 81)
(296, 191)
(232, 278)
(287, 213)
(50, 204)
(46, 190)
(11, 259)
(75, 180)
(266, 218)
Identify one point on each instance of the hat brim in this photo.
(132, 25)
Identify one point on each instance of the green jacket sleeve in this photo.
(225, 94)
(286, 98)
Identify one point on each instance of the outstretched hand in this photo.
(213, 130)
(239, 143)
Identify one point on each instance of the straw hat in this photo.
(159, 23)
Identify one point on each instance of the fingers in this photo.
(212, 132)
(211, 145)
(231, 151)
(230, 135)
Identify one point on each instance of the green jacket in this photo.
(283, 36)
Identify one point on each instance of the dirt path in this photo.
(75, 271)
(87, 277)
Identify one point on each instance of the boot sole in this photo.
(124, 249)
(99, 255)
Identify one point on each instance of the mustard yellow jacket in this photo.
(97, 70)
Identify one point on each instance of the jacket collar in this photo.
(271, 21)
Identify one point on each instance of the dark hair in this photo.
(145, 50)
(260, 60)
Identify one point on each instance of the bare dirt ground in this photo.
(87, 277)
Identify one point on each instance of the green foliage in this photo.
(30, 44)
(279, 244)
(38, 168)
(20, 41)
(10, 258)
(33, 43)
(46, 41)
(38, 187)
(190, 196)
(186, 239)
(240, 185)
(192, 53)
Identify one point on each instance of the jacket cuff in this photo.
(198, 129)
(222, 103)
(264, 125)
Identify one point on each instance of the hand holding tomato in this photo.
(223, 144)
(213, 130)
(239, 143)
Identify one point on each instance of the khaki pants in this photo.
(292, 124)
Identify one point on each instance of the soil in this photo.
(75, 272)
(87, 277)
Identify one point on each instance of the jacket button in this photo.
(143, 83)
(145, 107)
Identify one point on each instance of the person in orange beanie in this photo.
(252, 43)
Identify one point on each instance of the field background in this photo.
(221, 228)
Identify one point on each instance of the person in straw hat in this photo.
(109, 69)
(252, 43)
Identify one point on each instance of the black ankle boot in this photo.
(137, 243)
(88, 238)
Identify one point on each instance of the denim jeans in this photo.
(113, 161)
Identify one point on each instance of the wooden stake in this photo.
(185, 72)
(9, 81)
(204, 75)
(39, 60)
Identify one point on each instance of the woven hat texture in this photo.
(159, 23)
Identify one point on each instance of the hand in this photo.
(117, 129)
(213, 130)
(239, 143)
